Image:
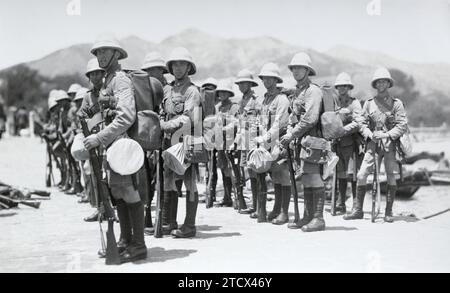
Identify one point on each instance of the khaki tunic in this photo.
(181, 105)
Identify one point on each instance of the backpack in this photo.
(331, 123)
(148, 94)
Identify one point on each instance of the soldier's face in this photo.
(223, 96)
(71, 95)
(105, 56)
(269, 82)
(96, 78)
(244, 87)
(299, 72)
(343, 89)
(382, 85)
(180, 69)
(156, 72)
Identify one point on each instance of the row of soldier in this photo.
(284, 119)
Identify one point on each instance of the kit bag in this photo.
(148, 94)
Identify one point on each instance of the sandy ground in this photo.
(55, 238)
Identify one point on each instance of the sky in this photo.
(412, 30)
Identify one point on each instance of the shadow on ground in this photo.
(201, 235)
(340, 228)
(208, 228)
(160, 254)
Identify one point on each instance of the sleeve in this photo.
(191, 114)
(354, 126)
(280, 120)
(233, 118)
(364, 125)
(401, 121)
(310, 118)
(125, 111)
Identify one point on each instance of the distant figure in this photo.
(2, 119)
(21, 119)
(11, 120)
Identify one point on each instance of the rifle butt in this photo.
(112, 251)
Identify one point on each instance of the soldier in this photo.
(63, 125)
(208, 103)
(155, 67)
(275, 117)
(181, 105)
(118, 87)
(89, 107)
(249, 111)
(227, 112)
(73, 89)
(347, 147)
(384, 122)
(306, 107)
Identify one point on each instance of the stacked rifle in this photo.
(12, 197)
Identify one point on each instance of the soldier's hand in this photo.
(91, 142)
(259, 140)
(377, 135)
(286, 140)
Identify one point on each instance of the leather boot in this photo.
(277, 205)
(188, 229)
(283, 217)
(93, 217)
(357, 210)
(171, 214)
(254, 187)
(262, 199)
(308, 210)
(149, 229)
(137, 250)
(340, 206)
(317, 223)
(227, 186)
(390, 197)
(242, 204)
(125, 225)
(179, 185)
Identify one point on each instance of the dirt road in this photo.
(55, 238)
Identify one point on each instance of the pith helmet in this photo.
(52, 99)
(246, 75)
(343, 78)
(125, 156)
(80, 94)
(92, 66)
(224, 87)
(302, 59)
(154, 59)
(382, 73)
(62, 95)
(271, 70)
(181, 54)
(210, 81)
(73, 88)
(109, 42)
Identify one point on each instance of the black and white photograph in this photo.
(225, 137)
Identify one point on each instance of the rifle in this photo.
(159, 195)
(72, 164)
(376, 195)
(112, 251)
(49, 169)
(294, 185)
(13, 203)
(209, 199)
(333, 193)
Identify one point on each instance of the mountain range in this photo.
(223, 58)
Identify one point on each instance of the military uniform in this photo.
(275, 117)
(181, 100)
(348, 147)
(250, 108)
(307, 107)
(385, 118)
(228, 111)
